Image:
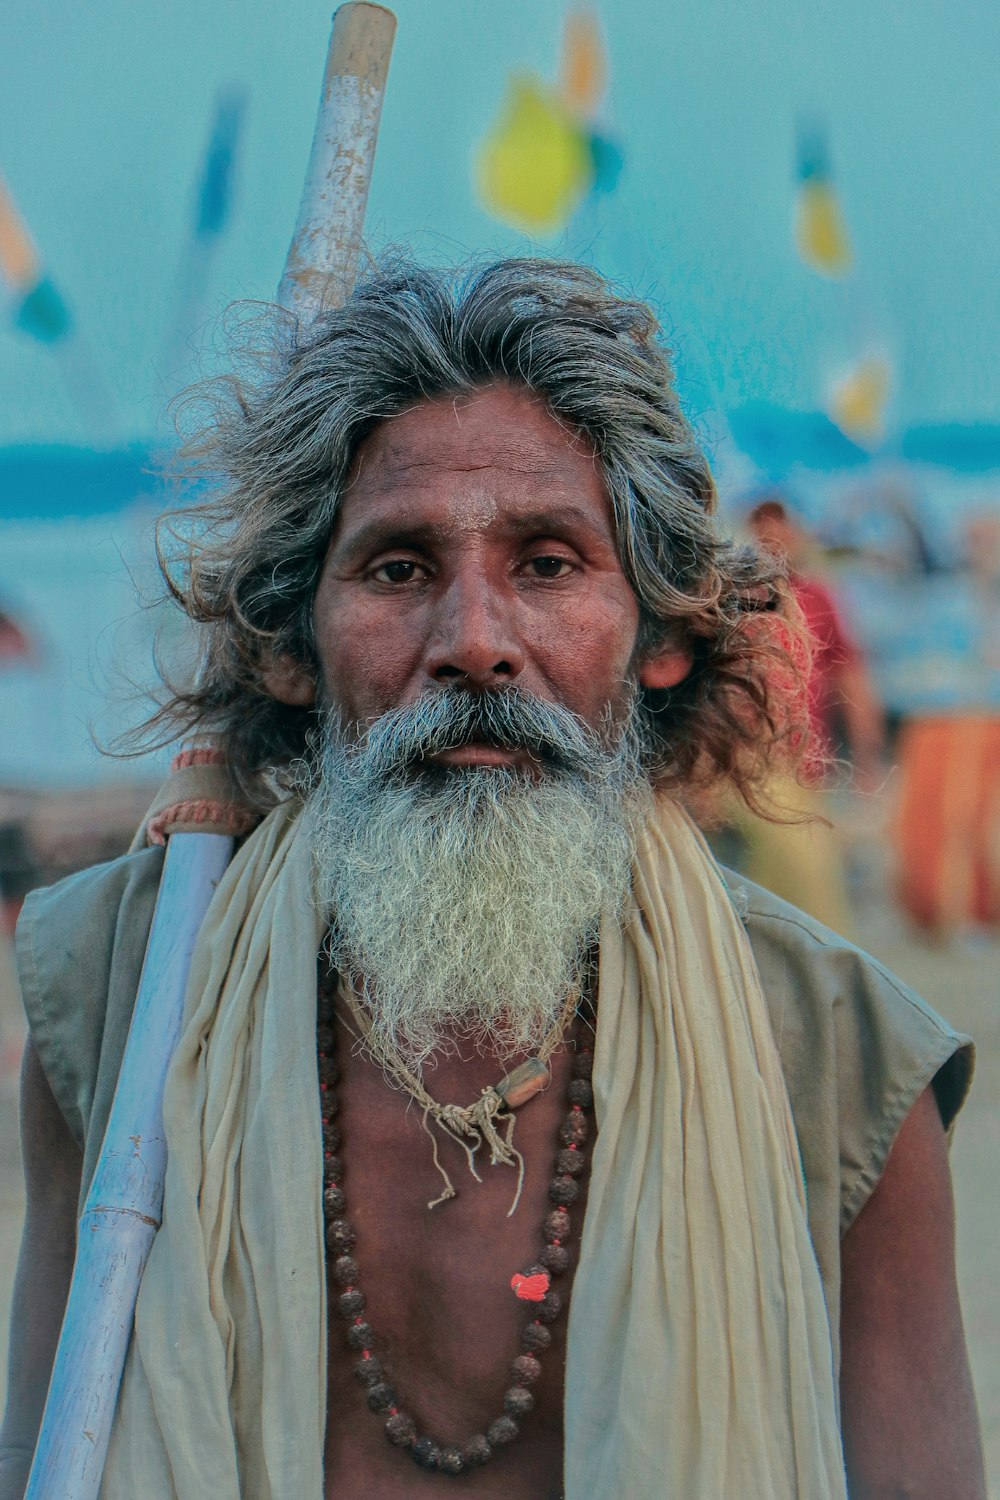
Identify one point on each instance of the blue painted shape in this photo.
(43, 313)
(217, 181)
(39, 482)
(970, 448)
(608, 159)
(779, 440)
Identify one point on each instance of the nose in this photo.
(474, 637)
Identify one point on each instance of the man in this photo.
(471, 628)
(839, 682)
(801, 859)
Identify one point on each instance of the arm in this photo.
(52, 1166)
(909, 1414)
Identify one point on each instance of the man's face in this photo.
(473, 799)
(475, 546)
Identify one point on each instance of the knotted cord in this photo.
(470, 1125)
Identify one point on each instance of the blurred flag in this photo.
(820, 231)
(215, 199)
(38, 308)
(213, 209)
(608, 159)
(544, 156)
(857, 402)
(535, 166)
(584, 69)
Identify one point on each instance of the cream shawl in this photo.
(699, 1362)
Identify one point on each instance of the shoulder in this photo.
(858, 1046)
(73, 941)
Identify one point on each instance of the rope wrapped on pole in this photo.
(123, 1207)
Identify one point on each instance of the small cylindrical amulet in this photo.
(524, 1083)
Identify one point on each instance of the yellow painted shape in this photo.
(584, 68)
(820, 231)
(535, 166)
(18, 260)
(857, 402)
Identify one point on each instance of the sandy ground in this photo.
(961, 980)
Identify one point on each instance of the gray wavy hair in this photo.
(277, 449)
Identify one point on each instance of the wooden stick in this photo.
(122, 1211)
(323, 256)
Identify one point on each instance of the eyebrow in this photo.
(378, 534)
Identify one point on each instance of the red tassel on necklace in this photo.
(530, 1288)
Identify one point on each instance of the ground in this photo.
(958, 979)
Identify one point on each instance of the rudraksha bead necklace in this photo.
(533, 1285)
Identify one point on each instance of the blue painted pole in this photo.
(122, 1211)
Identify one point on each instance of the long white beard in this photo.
(465, 900)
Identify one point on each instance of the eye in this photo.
(400, 570)
(550, 567)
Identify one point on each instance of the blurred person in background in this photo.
(843, 703)
(800, 858)
(947, 825)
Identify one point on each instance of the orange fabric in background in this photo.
(948, 823)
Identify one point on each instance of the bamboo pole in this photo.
(122, 1211)
(323, 256)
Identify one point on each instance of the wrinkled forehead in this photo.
(474, 430)
(473, 455)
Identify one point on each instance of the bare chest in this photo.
(451, 1337)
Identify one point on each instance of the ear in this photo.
(289, 681)
(665, 666)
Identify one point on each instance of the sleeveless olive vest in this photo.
(857, 1046)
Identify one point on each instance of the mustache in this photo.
(506, 718)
